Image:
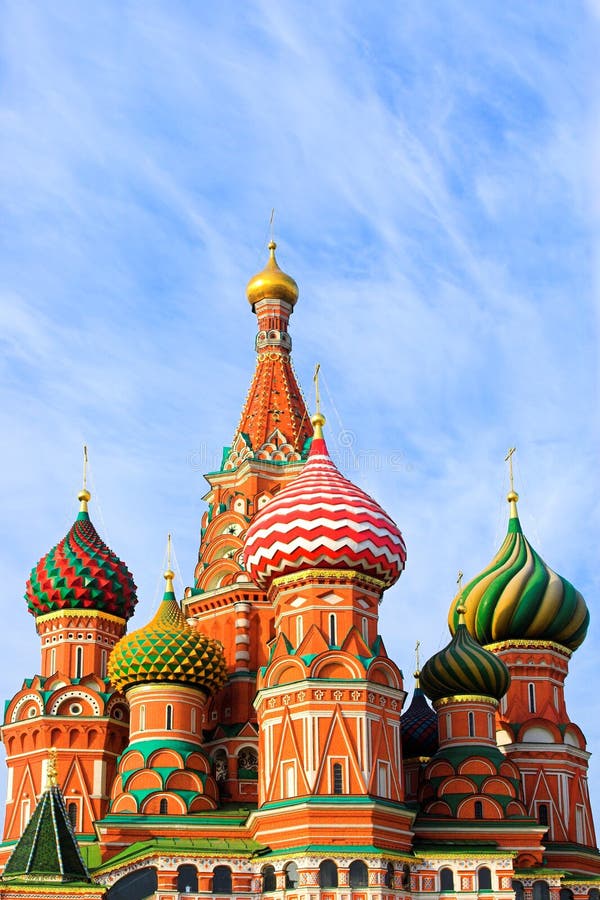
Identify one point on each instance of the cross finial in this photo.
(459, 579)
(272, 226)
(417, 659)
(317, 392)
(169, 550)
(85, 466)
(509, 459)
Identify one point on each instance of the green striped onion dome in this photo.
(81, 573)
(168, 649)
(519, 597)
(464, 667)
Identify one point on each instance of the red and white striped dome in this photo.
(322, 520)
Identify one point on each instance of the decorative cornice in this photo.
(466, 698)
(79, 614)
(520, 644)
(329, 575)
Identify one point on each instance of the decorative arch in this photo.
(335, 665)
(74, 694)
(384, 672)
(152, 805)
(286, 671)
(165, 759)
(491, 809)
(135, 886)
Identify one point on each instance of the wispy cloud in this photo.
(434, 175)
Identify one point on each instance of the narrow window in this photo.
(531, 689)
(543, 813)
(79, 662)
(142, 717)
(221, 880)
(478, 809)
(490, 725)
(53, 661)
(299, 630)
(555, 698)
(365, 629)
(517, 887)
(448, 725)
(269, 879)
(446, 880)
(187, 879)
(25, 812)
(332, 629)
(163, 807)
(72, 813)
(484, 879)
(291, 876)
(328, 874)
(169, 722)
(358, 874)
(503, 705)
(388, 878)
(541, 891)
(471, 717)
(290, 780)
(383, 783)
(193, 721)
(103, 662)
(338, 783)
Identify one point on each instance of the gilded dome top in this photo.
(464, 667)
(519, 597)
(322, 520)
(81, 573)
(167, 649)
(272, 282)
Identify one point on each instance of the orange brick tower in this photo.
(268, 450)
(329, 698)
(533, 619)
(81, 595)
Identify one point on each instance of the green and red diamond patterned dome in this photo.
(81, 573)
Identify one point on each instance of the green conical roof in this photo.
(47, 851)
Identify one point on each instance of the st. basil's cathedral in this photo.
(253, 740)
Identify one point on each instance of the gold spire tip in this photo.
(169, 573)
(84, 495)
(512, 495)
(318, 420)
(461, 610)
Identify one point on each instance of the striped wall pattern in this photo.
(518, 596)
(322, 520)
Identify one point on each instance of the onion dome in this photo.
(322, 520)
(81, 573)
(272, 283)
(519, 597)
(167, 649)
(464, 667)
(418, 725)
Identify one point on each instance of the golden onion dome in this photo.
(167, 649)
(272, 283)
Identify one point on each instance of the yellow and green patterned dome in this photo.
(464, 667)
(519, 597)
(167, 649)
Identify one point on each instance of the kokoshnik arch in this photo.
(252, 740)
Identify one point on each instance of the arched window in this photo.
(541, 891)
(365, 629)
(388, 878)
(72, 813)
(446, 880)
(478, 809)
(79, 662)
(471, 717)
(338, 780)
(566, 894)
(187, 879)
(484, 879)
(543, 813)
(53, 661)
(135, 886)
(169, 718)
(163, 807)
(248, 763)
(103, 662)
(221, 765)
(299, 630)
(332, 629)
(358, 874)
(594, 894)
(291, 876)
(406, 876)
(142, 717)
(328, 874)
(269, 879)
(517, 887)
(531, 692)
(221, 882)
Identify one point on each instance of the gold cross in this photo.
(459, 580)
(169, 550)
(85, 466)
(509, 460)
(417, 645)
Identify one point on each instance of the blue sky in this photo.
(434, 167)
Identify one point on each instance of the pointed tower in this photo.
(81, 596)
(268, 450)
(468, 783)
(167, 670)
(419, 737)
(533, 619)
(329, 698)
(46, 859)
